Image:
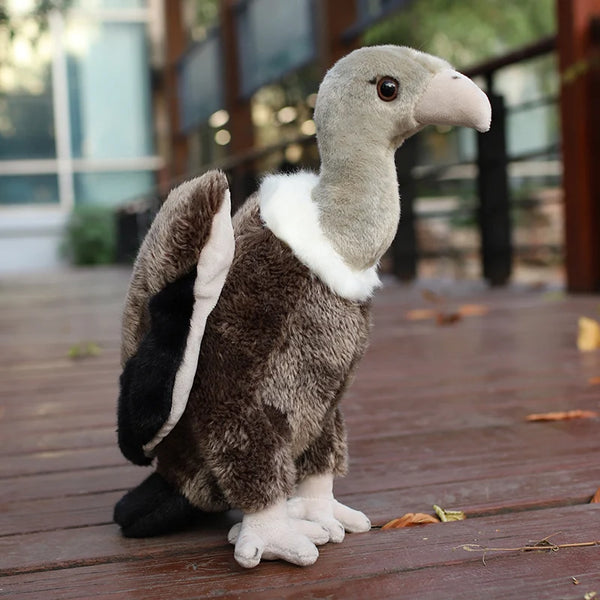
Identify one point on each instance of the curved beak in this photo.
(453, 99)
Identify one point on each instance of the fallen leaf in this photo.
(575, 580)
(596, 497)
(410, 520)
(564, 415)
(84, 350)
(473, 310)
(554, 296)
(445, 318)
(590, 595)
(588, 338)
(594, 380)
(446, 516)
(421, 314)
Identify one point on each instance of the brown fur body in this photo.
(277, 354)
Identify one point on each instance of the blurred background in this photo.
(105, 105)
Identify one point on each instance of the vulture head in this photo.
(385, 94)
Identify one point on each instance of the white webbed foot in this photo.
(314, 501)
(271, 534)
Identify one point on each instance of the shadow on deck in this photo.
(436, 416)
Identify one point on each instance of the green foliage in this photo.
(466, 31)
(90, 236)
(14, 21)
(205, 17)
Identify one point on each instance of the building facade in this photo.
(76, 119)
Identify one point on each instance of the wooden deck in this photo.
(436, 415)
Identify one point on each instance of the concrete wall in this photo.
(30, 240)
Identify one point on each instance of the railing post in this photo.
(579, 60)
(175, 44)
(494, 201)
(404, 246)
(240, 116)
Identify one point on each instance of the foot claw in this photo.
(271, 534)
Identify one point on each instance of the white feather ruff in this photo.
(287, 209)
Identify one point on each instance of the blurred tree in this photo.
(202, 16)
(468, 31)
(15, 17)
(12, 13)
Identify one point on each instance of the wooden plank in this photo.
(53, 508)
(199, 564)
(63, 484)
(63, 548)
(376, 463)
(55, 405)
(513, 577)
(57, 513)
(32, 427)
(60, 461)
(522, 576)
(16, 444)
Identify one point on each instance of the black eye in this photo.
(387, 88)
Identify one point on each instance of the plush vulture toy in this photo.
(240, 335)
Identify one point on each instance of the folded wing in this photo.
(176, 282)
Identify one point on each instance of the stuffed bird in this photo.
(240, 335)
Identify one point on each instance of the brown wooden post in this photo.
(579, 60)
(240, 116)
(334, 19)
(175, 45)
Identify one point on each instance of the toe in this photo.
(315, 532)
(336, 530)
(248, 550)
(298, 550)
(353, 520)
(234, 533)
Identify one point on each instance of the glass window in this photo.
(275, 37)
(28, 189)
(99, 4)
(534, 129)
(109, 90)
(200, 89)
(112, 188)
(371, 10)
(26, 109)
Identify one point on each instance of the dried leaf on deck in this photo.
(563, 415)
(444, 316)
(449, 515)
(588, 337)
(84, 350)
(426, 314)
(594, 380)
(473, 310)
(421, 314)
(410, 520)
(447, 318)
(596, 497)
